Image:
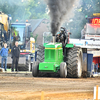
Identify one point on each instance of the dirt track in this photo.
(29, 88)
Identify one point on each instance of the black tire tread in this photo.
(72, 62)
(62, 71)
(35, 70)
(40, 54)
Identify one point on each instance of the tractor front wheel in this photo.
(35, 69)
(63, 70)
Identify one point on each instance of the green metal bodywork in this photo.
(69, 45)
(53, 57)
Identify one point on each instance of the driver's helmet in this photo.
(58, 33)
(62, 29)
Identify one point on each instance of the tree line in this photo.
(85, 8)
(24, 9)
(37, 9)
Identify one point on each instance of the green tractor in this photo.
(52, 58)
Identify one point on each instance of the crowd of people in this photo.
(15, 53)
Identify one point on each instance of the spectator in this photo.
(18, 37)
(83, 32)
(15, 56)
(14, 39)
(4, 54)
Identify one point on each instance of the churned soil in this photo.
(30, 88)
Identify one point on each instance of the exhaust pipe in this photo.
(53, 39)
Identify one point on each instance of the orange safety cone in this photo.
(96, 92)
(42, 95)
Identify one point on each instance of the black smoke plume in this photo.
(59, 10)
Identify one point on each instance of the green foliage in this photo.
(31, 34)
(24, 9)
(85, 8)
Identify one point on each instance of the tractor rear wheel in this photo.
(40, 54)
(63, 70)
(74, 62)
(39, 59)
(35, 69)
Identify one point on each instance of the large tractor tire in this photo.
(39, 59)
(63, 70)
(40, 54)
(74, 62)
(35, 69)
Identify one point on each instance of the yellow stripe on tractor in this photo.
(53, 48)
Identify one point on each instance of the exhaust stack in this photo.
(53, 39)
(59, 14)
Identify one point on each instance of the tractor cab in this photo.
(20, 30)
(21, 33)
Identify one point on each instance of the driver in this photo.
(61, 36)
(14, 39)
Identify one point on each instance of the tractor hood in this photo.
(53, 45)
